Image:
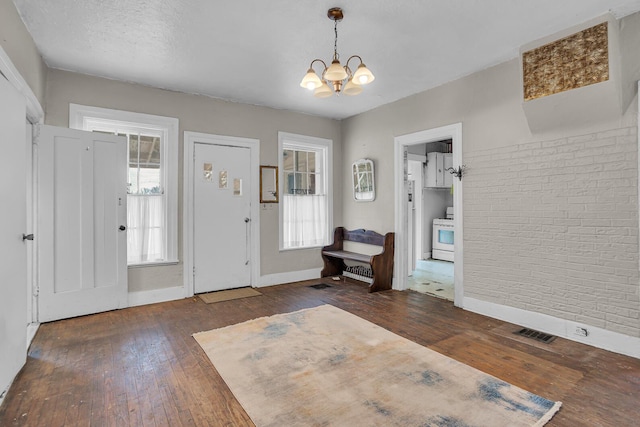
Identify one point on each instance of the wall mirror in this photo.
(268, 184)
(364, 189)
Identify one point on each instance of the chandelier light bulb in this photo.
(363, 76)
(311, 80)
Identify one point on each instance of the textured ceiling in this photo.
(257, 51)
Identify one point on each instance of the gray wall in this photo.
(18, 44)
(208, 115)
(550, 219)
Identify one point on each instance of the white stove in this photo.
(443, 237)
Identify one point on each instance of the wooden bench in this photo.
(381, 264)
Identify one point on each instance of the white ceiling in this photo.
(257, 51)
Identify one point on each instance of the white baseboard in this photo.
(32, 328)
(597, 337)
(155, 295)
(288, 277)
(170, 294)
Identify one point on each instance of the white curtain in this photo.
(145, 233)
(304, 220)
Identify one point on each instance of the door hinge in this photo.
(194, 271)
(36, 291)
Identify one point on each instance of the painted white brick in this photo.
(614, 133)
(555, 144)
(552, 227)
(580, 140)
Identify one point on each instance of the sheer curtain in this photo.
(304, 220)
(145, 235)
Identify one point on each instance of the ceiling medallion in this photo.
(336, 78)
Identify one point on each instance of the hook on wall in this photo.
(458, 172)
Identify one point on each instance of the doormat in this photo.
(324, 366)
(220, 296)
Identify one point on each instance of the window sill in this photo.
(154, 264)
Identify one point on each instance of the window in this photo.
(305, 188)
(152, 182)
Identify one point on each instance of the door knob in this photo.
(27, 236)
(247, 220)
(122, 228)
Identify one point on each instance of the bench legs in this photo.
(382, 271)
(332, 266)
(382, 267)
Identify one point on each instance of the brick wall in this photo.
(552, 227)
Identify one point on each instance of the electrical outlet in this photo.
(583, 332)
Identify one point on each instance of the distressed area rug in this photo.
(326, 367)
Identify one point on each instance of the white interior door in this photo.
(82, 212)
(13, 250)
(222, 215)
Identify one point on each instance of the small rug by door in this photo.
(219, 296)
(325, 366)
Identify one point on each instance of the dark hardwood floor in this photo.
(140, 366)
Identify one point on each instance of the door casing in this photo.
(190, 139)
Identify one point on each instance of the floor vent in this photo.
(320, 286)
(536, 335)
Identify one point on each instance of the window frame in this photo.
(83, 117)
(293, 141)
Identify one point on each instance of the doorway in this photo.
(405, 147)
(221, 217)
(430, 236)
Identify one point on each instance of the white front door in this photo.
(82, 214)
(13, 222)
(222, 215)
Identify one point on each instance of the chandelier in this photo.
(336, 78)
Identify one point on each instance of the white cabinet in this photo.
(437, 175)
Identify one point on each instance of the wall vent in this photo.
(536, 335)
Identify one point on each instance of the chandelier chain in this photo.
(335, 42)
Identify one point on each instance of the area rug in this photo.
(326, 367)
(219, 296)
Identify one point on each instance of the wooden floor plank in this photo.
(141, 367)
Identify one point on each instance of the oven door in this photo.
(443, 235)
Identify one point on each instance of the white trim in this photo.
(453, 132)
(154, 296)
(638, 156)
(314, 143)
(32, 329)
(289, 277)
(597, 337)
(35, 113)
(85, 117)
(32, 266)
(190, 139)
